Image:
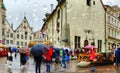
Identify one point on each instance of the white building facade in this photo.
(73, 23)
(113, 26)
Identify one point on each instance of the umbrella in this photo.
(57, 50)
(39, 49)
(14, 49)
(24, 49)
(91, 47)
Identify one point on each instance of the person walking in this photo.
(92, 59)
(9, 60)
(38, 60)
(10, 56)
(22, 59)
(48, 58)
(56, 66)
(117, 57)
(63, 58)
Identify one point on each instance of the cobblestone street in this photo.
(71, 68)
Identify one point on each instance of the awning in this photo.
(2, 45)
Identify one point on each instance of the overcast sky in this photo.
(34, 10)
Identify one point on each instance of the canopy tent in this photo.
(32, 43)
(2, 45)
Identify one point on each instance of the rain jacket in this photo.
(92, 55)
(48, 56)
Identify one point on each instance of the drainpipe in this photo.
(66, 21)
(105, 33)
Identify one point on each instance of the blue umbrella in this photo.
(14, 49)
(56, 52)
(39, 49)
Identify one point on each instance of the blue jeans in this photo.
(63, 62)
(48, 67)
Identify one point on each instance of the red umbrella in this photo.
(24, 49)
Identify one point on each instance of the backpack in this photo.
(61, 52)
(25, 58)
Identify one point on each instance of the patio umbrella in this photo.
(39, 49)
(91, 47)
(24, 49)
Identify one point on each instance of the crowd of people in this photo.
(56, 55)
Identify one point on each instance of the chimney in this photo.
(12, 25)
(51, 7)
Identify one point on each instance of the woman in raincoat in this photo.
(48, 57)
(92, 58)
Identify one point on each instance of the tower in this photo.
(2, 18)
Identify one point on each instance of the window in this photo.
(112, 33)
(109, 31)
(99, 45)
(7, 41)
(3, 32)
(58, 14)
(18, 36)
(25, 37)
(21, 36)
(11, 41)
(11, 35)
(30, 37)
(88, 2)
(3, 21)
(7, 35)
(115, 34)
(77, 41)
(25, 43)
(93, 2)
(18, 43)
(21, 43)
(25, 33)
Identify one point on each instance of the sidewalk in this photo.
(71, 68)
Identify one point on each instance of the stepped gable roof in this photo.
(22, 23)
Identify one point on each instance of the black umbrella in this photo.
(39, 49)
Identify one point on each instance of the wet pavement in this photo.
(55, 68)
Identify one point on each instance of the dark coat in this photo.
(117, 53)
